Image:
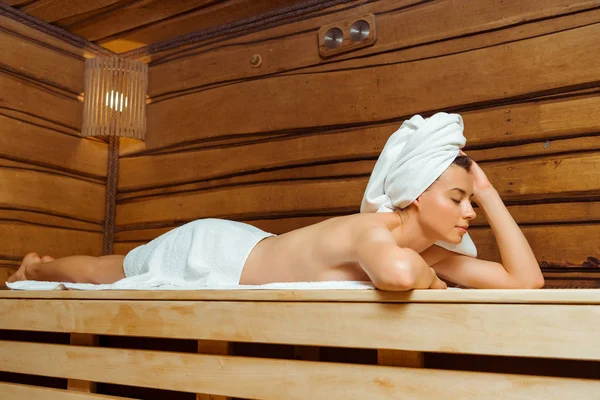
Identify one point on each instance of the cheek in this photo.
(446, 207)
(443, 210)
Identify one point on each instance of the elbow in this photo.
(535, 283)
(538, 283)
(396, 279)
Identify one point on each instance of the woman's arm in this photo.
(391, 267)
(519, 268)
(517, 257)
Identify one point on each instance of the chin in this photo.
(454, 239)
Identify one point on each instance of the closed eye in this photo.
(456, 201)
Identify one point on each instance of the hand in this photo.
(438, 283)
(480, 180)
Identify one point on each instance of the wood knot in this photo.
(256, 60)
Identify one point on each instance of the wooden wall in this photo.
(293, 141)
(51, 181)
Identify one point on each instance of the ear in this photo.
(417, 203)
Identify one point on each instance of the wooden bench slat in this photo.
(246, 376)
(493, 329)
(488, 296)
(13, 391)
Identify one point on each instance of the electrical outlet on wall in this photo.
(347, 35)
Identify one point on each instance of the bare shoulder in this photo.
(339, 236)
(366, 226)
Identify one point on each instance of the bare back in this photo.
(319, 252)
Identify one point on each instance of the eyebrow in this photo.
(461, 190)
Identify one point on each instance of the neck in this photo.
(409, 233)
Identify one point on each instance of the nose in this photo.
(468, 212)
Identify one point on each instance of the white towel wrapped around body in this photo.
(411, 160)
(207, 251)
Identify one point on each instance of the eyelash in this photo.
(456, 201)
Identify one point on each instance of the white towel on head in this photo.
(411, 160)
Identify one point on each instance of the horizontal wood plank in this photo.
(213, 15)
(292, 30)
(29, 97)
(28, 142)
(125, 247)
(289, 28)
(531, 121)
(545, 177)
(557, 243)
(362, 169)
(573, 282)
(504, 35)
(186, 180)
(5, 273)
(396, 30)
(54, 10)
(49, 220)
(41, 62)
(25, 117)
(33, 34)
(54, 194)
(228, 375)
(550, 213)
(295, 101)
(462, 296)
(12, 391)
(132, 16)
(543, 331)
(20, 239)
(522, 214)
(94, 12)
(546, 125)
(297, 197)
(518, 180)
(34, 167)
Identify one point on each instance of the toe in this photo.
(47, 259)
(12, 278)
(31, 258)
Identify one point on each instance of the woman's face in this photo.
(447, 205)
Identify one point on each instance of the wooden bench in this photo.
(547, 324)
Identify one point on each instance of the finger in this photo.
(438, 284)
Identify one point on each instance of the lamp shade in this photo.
(115, 98)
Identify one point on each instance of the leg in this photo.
(78, 269)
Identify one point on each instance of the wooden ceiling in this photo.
(124, 25)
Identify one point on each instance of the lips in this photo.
(463, 228)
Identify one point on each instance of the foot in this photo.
(46, 259)
(29, 259)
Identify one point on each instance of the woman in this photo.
(421, 237)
